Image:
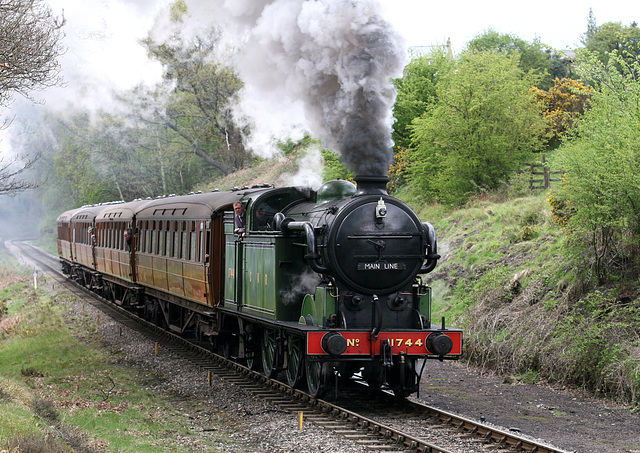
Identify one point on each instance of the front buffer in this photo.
(387, 360)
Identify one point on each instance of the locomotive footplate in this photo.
(416, 343)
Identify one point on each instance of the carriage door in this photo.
(233, 264)
(206, 253)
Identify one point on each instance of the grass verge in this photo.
(60, 393)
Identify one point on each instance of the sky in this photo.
(104, 53)
(556, 23)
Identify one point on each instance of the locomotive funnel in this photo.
(371, 185)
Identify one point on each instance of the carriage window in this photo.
(200, 251)
(176, 244)
(183, 254)
(167, 239)
(165, 243)
(161, 243)
(194, 247)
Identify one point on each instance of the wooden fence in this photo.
(540, 169)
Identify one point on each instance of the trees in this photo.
(29, 48)
(602, 166)
(10, 175)
(199, 109)
(612, 36)
(417, 90)
(483, 124)
(534, 57)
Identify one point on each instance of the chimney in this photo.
(371, 185)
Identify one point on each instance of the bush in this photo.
(477, 131)
(44, 409)
(599, 201)
(35, 444)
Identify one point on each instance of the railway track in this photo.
(357, 418)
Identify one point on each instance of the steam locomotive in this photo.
(325, 286)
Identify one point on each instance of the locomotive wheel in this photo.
(269, 353)
(252, 360)
(252, 354)
(295, 359)
(317, 377)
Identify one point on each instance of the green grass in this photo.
(53, 385)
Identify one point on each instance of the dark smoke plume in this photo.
(333, 60)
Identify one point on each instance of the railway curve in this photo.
(356, 421)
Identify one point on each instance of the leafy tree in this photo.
(333, 168)
(417, 90)
(398, 168)
(73, 165)
(602, 166)
(484, 123)
(534, 57)
(199, 109)
(562, 106)
(612, 36)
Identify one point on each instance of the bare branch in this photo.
(10, 183)
(30, 45)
